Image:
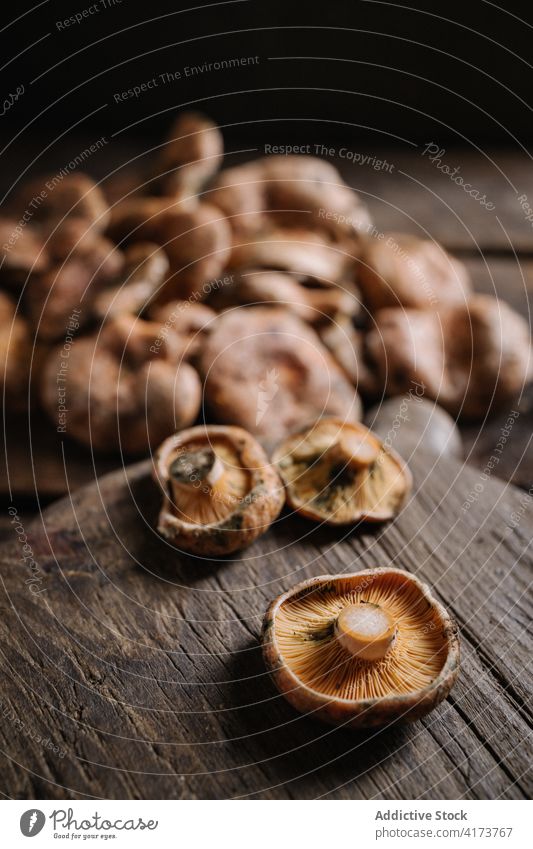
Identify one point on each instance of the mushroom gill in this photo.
(207, 481)
(389, 613)
(340, 472)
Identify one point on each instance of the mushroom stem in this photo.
(365, 630)
(192, 469)
(352, 450)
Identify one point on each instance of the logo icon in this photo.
(267, 391)
(32, 822)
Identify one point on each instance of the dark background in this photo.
(458, 73)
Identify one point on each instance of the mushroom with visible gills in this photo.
(220, 491)
(341, 473)
(361, 650)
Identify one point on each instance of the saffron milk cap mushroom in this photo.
(192, 154)
(220, 490)
(471, 358)
(362, 650)
(125, 392)
(267, 371)
(339, 472)
(403, 270)
(411, 423)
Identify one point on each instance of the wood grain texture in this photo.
(142, 665)
(417, 196)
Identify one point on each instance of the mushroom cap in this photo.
(316, 673)
(346, 343)
(75, 236)
(298, 251)
(197, 241)
(306, 191)
(340, 473)
(15, 355)
(194, 151)
(267, 371)
(314, 304)
(403, 270)
(133, 216)
(187, 321)
(214, 516)
(123, 391)
(75, 196)
(144, 273)
(471, 358)
(293, 190)
(239, 193)
(51, 297)
(24, 253)
(412, 423)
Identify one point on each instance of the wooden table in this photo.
(142, 667)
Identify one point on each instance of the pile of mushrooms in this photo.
(256, 304)
(297, 306)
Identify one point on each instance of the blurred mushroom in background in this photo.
(471, 359)
(267, 371)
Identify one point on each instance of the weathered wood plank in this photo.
(143, 667)
(418, 197)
